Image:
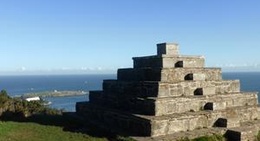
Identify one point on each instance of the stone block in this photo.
(242, 134)
(95, 95)
(167, 49)
(145, 74)
(166, 106)
(205, 91)
(114, 120)
(165, 89)
(177, 123)
(163, 125)
(80, 107)
(187, 88)
(199, 77)
(209, 90)
(169, 105)
(191, 121)
(233, 122)
(169, 62)
(169, 75)
(183, 62)
(220, 105)
(181, 74)
(148, 61)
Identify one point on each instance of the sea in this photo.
(19, 85)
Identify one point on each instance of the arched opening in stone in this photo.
(208, 106)
(198, 91)
(179, 64)
(221, 122)
(189, 76)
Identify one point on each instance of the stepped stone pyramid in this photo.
(169, 93)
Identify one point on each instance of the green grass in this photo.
(19, 131)
(21, 120)
(206, 138)
(258, 136)
(210, 138)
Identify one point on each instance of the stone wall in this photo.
(167, 94)
(169, 75)
(169, 62)
(168, 49)
(163, 89)
(161, 125)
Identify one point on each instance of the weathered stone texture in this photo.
(169, 62)
(164, 89)
(169, 94)
(169, 74)
(244, 133)
(115, 120)
(168, 49)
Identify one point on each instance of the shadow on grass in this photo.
(68, 121)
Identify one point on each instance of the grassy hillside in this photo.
(21, 120)
(18, 131)
(31, 121)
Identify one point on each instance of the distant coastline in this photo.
(55, 93)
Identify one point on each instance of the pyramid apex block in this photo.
(167, 49)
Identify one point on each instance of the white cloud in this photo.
(230, 65)
(23, 68)
(239, 67)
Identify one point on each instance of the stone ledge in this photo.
(166, 61)
(188, 134)
(247, 132)
(169, 105)
(163, 125)
(165, 89)
(167, 48)
(169, 74)
(164, 106)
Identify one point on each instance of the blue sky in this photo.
(99, 36)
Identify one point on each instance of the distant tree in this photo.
(16, 107)
(3, 97)
(4, 93)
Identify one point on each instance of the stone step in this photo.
(114, 119)
(246, 132)
(170, 105)
(164, 106)
(169, 62)
(169, 74)
(164, 89)
(171, 49)
(231, 117)
(189, 135)
(165, 125)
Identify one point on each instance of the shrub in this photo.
(184, 139)
(121, 138)
(214, 137)
(258, 136)
(16, 107)
(3, 98)
(210, 138)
